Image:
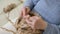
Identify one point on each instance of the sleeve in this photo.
(52, 29)
(29, 3)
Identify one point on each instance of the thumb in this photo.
(27, 9)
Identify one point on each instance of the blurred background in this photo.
(14, 13)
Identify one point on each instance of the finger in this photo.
(28, 22)
(26, 17)
(21, 13)
(24, 12)
(27, 10)
(36, 17)
(32, 19)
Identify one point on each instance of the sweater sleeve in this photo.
(52, 29)
(29, 3)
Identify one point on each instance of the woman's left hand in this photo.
(36, 22)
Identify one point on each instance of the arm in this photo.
(52, 29)
(38, 23)
(30, 3)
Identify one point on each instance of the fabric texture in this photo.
(50, 12)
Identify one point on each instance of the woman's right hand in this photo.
(25, 11)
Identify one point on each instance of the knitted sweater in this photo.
(50, 12)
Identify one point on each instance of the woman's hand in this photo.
(24, 11)
(36, 22)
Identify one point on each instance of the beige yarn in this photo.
(9, 8)
(21, 26)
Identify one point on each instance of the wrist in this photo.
(44, 25)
